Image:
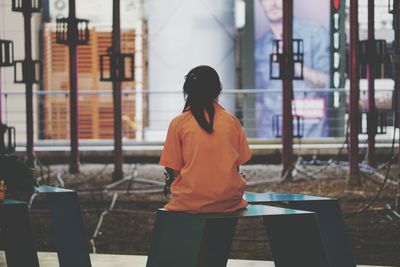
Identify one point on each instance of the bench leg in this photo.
(18, 237)
(332, 229)
(176, 240)
(68, 231)
(217, 241)
(295, 240)
(187, 240)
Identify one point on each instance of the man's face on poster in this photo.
(273, 10)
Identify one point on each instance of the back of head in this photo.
(201, 88)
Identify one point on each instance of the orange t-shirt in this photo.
(208, 180)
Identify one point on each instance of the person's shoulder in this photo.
(178, 120)
(231, 117)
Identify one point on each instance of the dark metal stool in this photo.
(330, 220)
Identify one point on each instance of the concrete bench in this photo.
(197, 240)
(16, 232)
(330, 220)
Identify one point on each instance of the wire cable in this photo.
(373, 200)
(100, 222)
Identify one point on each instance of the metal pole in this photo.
(2, 145)
(396, 48)
(116, 50)
(372, 111)
(73, 83)
(287, 93)
(353, 178)
(29, 88)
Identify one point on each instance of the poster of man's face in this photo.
(311, 25)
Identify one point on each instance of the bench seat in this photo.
(196, 240)
(329, 216)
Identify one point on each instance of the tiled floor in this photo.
(103, 260)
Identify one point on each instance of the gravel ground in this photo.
(374, 234)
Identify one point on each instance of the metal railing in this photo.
(146, 114)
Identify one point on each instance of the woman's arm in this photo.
(241, 173)
(170, 176)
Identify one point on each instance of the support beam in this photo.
(2, 144)
(396, 52)
(73, 87)
(116, 62)
(28, 71)
(29, 88)
(371, 68)
(353, 178)
(287, 85)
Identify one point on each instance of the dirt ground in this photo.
(374, 233)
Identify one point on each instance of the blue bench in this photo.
(197, 240)
(17, 234)
(67, 225)
(330, 220)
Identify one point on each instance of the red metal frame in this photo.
(29, 91)
(372, 119)
(117, 98)
(2, 145)
(287, 85)
(73, 83)
(396, 50)
(72, 32)
(354, 171)
(27, 8)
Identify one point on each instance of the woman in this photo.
(204, 147)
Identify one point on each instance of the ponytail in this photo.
(201, 89)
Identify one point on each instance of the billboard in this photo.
(311, 24)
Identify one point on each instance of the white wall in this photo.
(181, 35)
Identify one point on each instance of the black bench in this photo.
(67, 225)
(330, 220)
(17, 234)
(197, 240)
(68, 230)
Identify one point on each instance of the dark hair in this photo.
(201, 88)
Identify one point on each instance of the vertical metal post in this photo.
(353, 178)
(372, 112)
(73, 84)
(396, 51)
(397, 87)
(2, 145)
(29, 87)
(116, 51)
(287, 91)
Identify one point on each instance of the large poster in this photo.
(311, 23)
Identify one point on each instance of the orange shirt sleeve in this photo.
(171, 155)
(244, 150)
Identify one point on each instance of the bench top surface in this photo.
(250, 211)
(9, 201)
(279, 197)
(52, 189)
